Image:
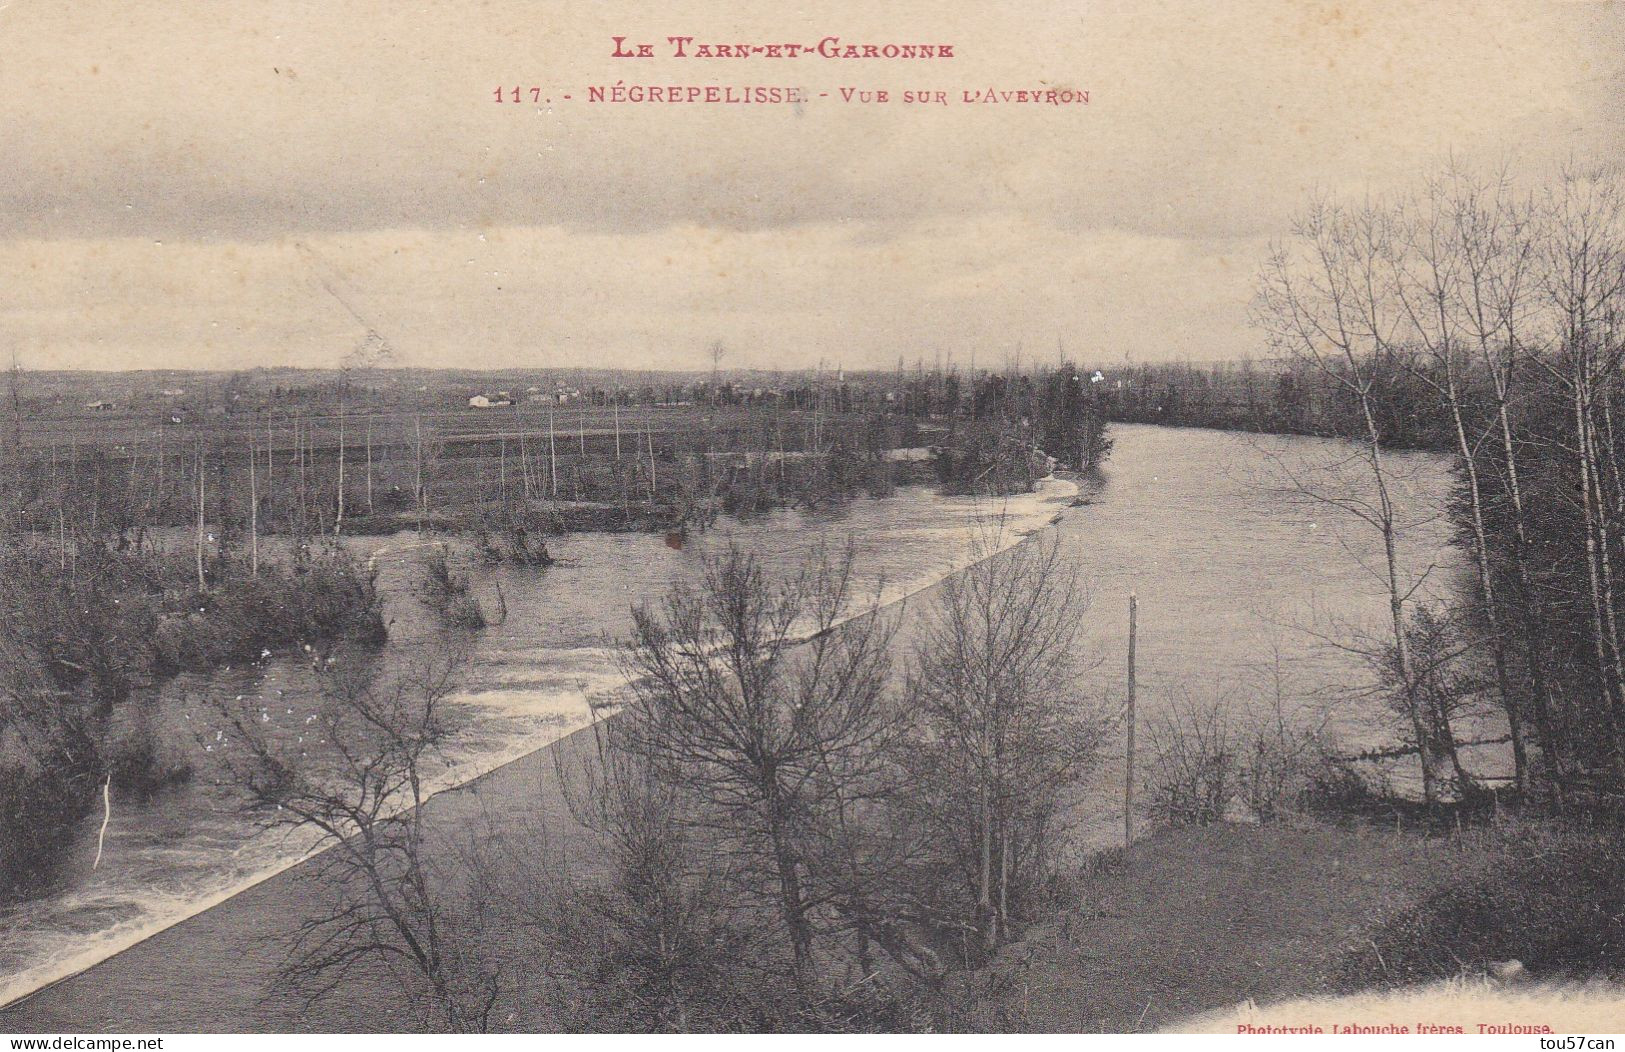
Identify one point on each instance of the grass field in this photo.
(1190, 921)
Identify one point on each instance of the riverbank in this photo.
(1161, 936)
(1187, 925)
(1183, 525)
(212, 972)
(89, 633)
(515, 790)
(1191, 921)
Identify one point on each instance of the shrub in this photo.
(142, 762)
(463, 611)
(986, 459)
(1195, 771)
(326, 598)
(1279, 763)
(514, 543)
(48, 777)
(1335, 789)
(1552, 897)
(440, 582)
(76, 637)
(446, 591)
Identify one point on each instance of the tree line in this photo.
(1480, 319)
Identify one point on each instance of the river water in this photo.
(1254, 580)
(1237, 569)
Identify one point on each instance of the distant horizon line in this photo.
(935, 368)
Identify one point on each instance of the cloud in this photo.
(827, 230)
(550, 296)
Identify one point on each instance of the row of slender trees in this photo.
(1483, 319)
(307, 471)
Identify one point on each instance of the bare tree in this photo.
(1327, 299)
(652, 943)
(373, 351)
(1197, 756)
(198, 537)
(772, 742)
(1430, 281)
(1495, 234)
(427, 450)
(1582, 270)
(253, 506)
(357, 777)
(1003, 731)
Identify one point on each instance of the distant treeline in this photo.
(1283, 397)
(344, 463)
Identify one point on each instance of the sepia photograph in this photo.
(587, 518)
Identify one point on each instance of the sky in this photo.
(221, 184)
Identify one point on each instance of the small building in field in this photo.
(480, 401)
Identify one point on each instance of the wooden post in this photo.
(552, 452)
(253, 508)
(202, 584)
(1128, 777)
(338, 519)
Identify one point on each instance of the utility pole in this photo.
(197, 464)
(552, 450)
(1128, 777)
(338, 519)
(253, 508)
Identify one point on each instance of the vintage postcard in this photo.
(583, 517)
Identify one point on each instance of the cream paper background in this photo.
(161, 165)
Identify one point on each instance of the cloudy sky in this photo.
(199, 183)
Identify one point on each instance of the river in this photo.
(1249, 579)
(1234, 572)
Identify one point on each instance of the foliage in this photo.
(1549, 895)
(82, 628)
(1195, 764)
